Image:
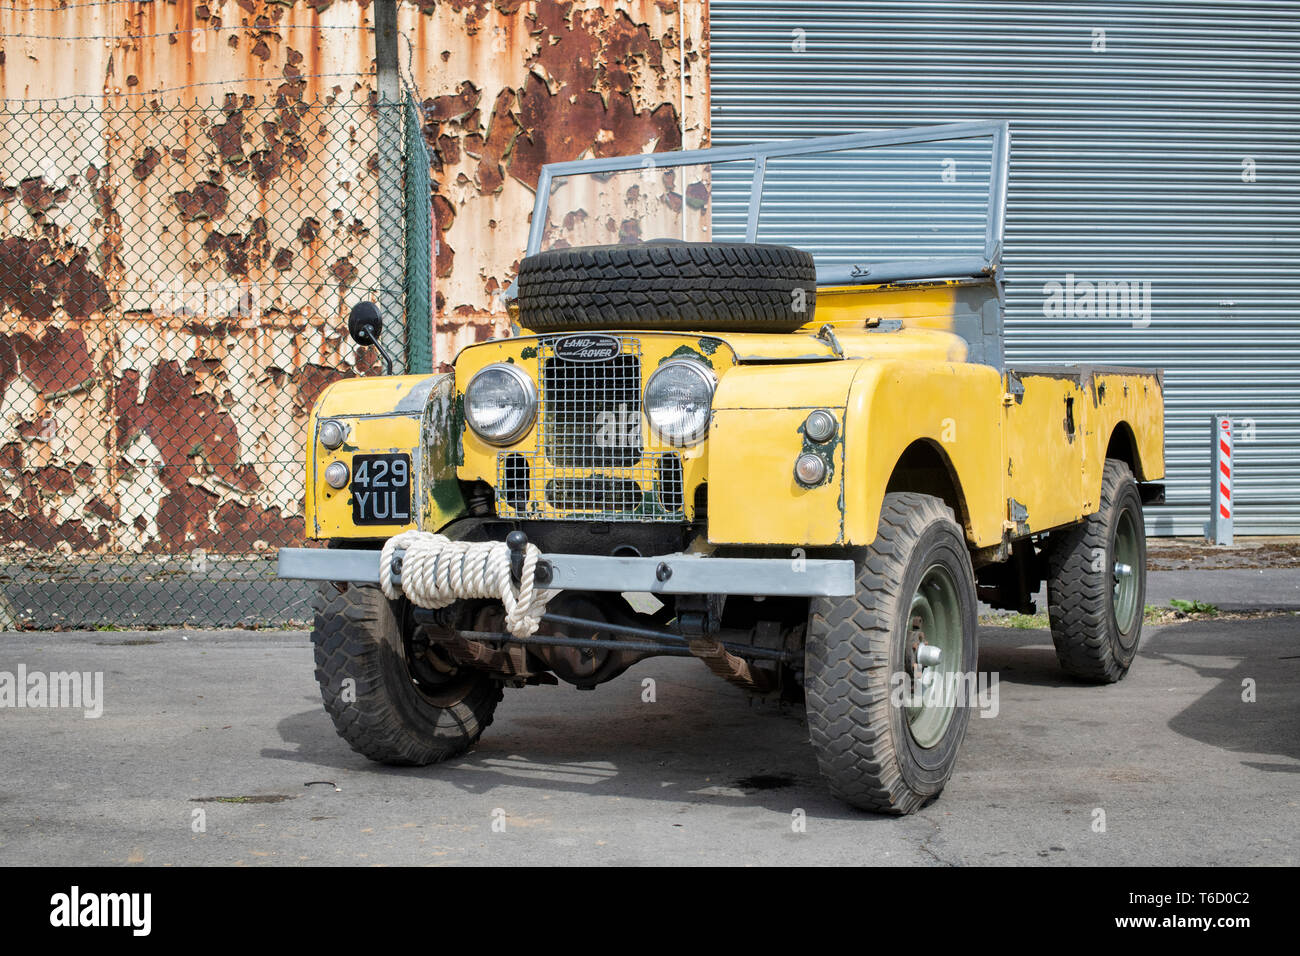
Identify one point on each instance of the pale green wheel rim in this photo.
(1125, 572)
(938, 607)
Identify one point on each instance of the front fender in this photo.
(756, 435)
(882, 406)
(410, 414)
(956, 407)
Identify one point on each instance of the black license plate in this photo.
(381, 489)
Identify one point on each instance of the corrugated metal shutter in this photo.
(1136, 132)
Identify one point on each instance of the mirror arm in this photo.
(371, 340)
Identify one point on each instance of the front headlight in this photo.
(678, 401)
(500, 403)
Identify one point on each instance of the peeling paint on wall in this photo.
(563, 81)
(173, 284)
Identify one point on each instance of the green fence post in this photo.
(419, 242)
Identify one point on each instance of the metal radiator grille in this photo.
(590, 414)
(589, 463)
(529, 485)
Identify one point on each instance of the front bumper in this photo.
(666, 574)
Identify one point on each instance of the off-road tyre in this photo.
(691, 286)
(856, 645)
(1082, 584)
(358, 635)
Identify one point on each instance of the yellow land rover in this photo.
(746, 420)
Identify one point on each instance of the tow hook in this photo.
(517, 542)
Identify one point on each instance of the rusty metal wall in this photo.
(174, 281)
(509, 86)
(187, 208)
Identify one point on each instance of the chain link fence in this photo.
(175, 282)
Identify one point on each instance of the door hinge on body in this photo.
(1015, 393)
(1017, 518)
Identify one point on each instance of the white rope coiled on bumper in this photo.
(437, 571)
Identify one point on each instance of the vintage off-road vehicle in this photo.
(776, 434)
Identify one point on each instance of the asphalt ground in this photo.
(213, 749)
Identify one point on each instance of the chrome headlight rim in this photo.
(530, 396)
(710, 381)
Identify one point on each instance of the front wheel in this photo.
(889, 671)
(393, 700)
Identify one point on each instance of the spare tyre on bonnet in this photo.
(668, 284)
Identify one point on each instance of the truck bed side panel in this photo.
(1060, 421)
(1044, 452)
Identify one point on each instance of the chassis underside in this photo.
(741, 613)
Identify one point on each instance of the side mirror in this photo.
(364, 326)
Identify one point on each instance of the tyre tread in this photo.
(348, 643)
(1078, 599)
(847, 679)
(696, 286)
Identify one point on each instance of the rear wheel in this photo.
(391, 698)
(886, 669)
(1096, 583)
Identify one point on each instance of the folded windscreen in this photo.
(870, 207)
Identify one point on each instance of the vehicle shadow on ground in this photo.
(1022, 656)
(712, 744)
(1264, 658)
(711, 748)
